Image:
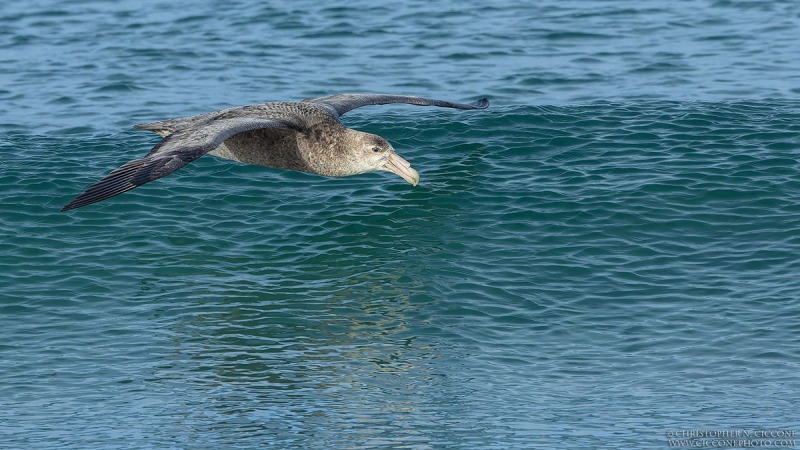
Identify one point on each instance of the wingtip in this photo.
(77, 202)
(482, 103)
(71, 205)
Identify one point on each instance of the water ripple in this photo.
(621, 248)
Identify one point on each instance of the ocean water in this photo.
(607, 257)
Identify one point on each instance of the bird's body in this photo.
(305, 136)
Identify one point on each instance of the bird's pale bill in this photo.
(396, 164)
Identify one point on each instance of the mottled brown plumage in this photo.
(305, 136)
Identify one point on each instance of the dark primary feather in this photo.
(172, 153)
(343, 103)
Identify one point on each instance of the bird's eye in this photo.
(376, 149)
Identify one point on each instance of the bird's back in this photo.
(304, 114)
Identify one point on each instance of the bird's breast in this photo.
(283, 150)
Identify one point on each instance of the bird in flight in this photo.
(305, 136)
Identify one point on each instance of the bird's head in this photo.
(372, 153)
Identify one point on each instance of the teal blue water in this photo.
(606, 255)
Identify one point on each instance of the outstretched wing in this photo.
(172, 153)
(343, 103)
